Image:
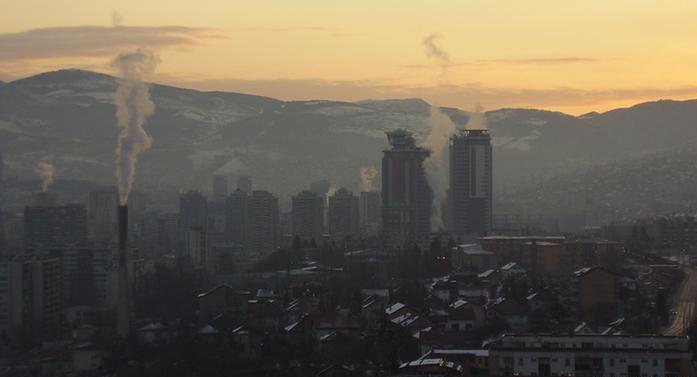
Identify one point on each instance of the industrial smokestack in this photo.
(123, 308)
(123, 230)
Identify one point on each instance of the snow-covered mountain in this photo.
(67, 117)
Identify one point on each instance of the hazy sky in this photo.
(571, 56)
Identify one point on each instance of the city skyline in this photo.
(353, 189)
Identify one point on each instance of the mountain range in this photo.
(67, 118)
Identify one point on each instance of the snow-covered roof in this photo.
(393, 308)
(208, 329)
(510, 265)
(486, 273)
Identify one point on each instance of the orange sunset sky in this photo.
(570, 56)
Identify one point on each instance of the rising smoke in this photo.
(367, 176)
(332, 191)
(435, 52)
(46, 171)
(477, 119)
(133, 107)
(437, 164)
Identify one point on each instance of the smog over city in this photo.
(338, 189)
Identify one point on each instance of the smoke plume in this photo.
(332, 191)
(367, 176)
(46, 171)
(437, 164)
(477, 119)
(433, 50)
(133, 107)
(116, 19)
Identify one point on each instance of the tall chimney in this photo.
(123, 231)
(123, 310)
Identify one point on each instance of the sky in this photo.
(569, 56)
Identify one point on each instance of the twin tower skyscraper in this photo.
(407, 198)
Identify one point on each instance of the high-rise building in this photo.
(56, 226)
(102, 213)
(244, 183)
(343, 214)
(236, 218)
(14, 233)
(321, 188)
(31, 300)
(308, 215)
(220, 187)
(2, 182)
(216, 223)
(3, 243)
(84, 272)
(3, 246)
(137, 208)
(263, 235)
(471, 183)
(160, 232)
(193, 212)
(406, 195)
(197, 246)
(369, 210)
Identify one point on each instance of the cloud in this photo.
(552, 60)
(94, 41)
(271, 29)
(522, 61)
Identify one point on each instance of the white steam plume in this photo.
(46, 171)
(133, 107)
(436, 165)
(332, 191)
(367, 176)
(477, 119)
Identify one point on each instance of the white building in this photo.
(590, 355)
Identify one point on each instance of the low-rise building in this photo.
(597, 289)
(589, 355)
(472, 257)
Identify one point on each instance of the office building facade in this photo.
(471, 183)
(406, 195)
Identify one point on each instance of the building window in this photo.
(520, 361)
(612, 362)
(655, 363)
(567, 362)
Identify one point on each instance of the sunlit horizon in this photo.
(573, 58)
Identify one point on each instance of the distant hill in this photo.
(619, 191)
(67, 117)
